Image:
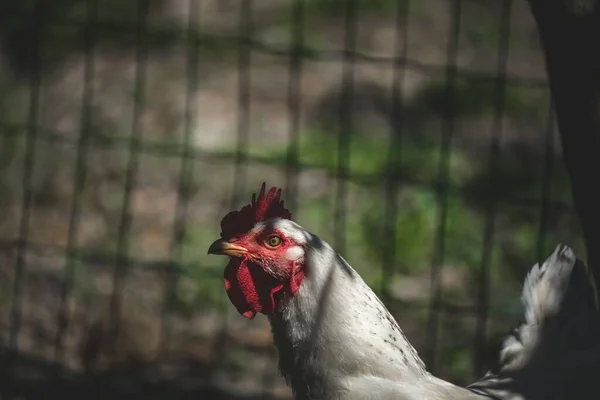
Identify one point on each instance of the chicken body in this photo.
(336, 339)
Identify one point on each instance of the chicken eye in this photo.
(273, 241)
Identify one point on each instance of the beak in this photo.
(225, 248)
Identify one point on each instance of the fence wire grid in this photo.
(417, 138)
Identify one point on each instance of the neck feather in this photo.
(335, 326)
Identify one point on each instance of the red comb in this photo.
(270, 206)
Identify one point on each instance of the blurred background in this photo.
(417, 137)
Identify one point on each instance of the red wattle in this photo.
(250, 288)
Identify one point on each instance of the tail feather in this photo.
(561, 323)
(545, 287)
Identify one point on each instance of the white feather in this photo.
(337, 340)
(555, 352)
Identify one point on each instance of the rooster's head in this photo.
(267, 251)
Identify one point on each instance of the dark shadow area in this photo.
(36, 379)
(41, 34)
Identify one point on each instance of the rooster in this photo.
(337, 340)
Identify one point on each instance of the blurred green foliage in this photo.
(482, 97)
(518, 173)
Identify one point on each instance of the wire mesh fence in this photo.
(417, 138)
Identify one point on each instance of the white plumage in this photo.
(337, 340)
